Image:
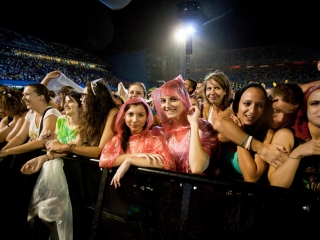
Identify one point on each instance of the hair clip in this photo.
(94, 84)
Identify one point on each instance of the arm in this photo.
(283, 176)
(90, 151)
(35, 164)
(20, 138)
(138, 161)
(50, 76)
(48, 125)
(305, 86)
(6, 128)
(16, 128)
(197, 155)
(225, 126)
(253, 168)
(4, 122)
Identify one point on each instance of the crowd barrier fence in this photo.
(158, 204)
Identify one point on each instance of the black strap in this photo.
(41, 122)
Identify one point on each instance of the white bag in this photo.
(50, 199)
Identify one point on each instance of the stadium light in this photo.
(184, 31)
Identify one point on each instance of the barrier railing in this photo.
(157, 204)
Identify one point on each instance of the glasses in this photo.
(94, 84)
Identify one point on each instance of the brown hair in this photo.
(223, 81)
(94, 118)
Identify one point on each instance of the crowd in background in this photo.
(295, 63)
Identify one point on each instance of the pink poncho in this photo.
(180, 149)
(143, 142)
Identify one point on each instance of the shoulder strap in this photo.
(41, 122)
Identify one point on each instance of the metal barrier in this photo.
(157, 204)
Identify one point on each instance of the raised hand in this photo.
(237, 120)
(193, 114)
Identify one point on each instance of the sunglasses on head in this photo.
(94, 84)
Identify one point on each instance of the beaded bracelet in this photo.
(244, 140)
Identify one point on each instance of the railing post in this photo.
(98, 208)
(187, 187)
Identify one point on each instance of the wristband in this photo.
(244, 140)
(248, 143)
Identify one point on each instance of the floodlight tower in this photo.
(188, 14)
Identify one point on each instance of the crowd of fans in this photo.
(228, 135)
(31, 59)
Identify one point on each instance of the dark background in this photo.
(223, 24)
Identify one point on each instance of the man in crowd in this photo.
(190, 85)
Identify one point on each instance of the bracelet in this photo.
(244, 140)
(71, 147)
(47, 157)
(294, 158)
(248, 143)
(9, 126)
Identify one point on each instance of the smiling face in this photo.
(136, 118)
(171, 106)
(31, 98)
(215, 93)
(136, 91)
(251, 105)
(70, 106)
(313, 108)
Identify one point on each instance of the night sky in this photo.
(223, 24)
